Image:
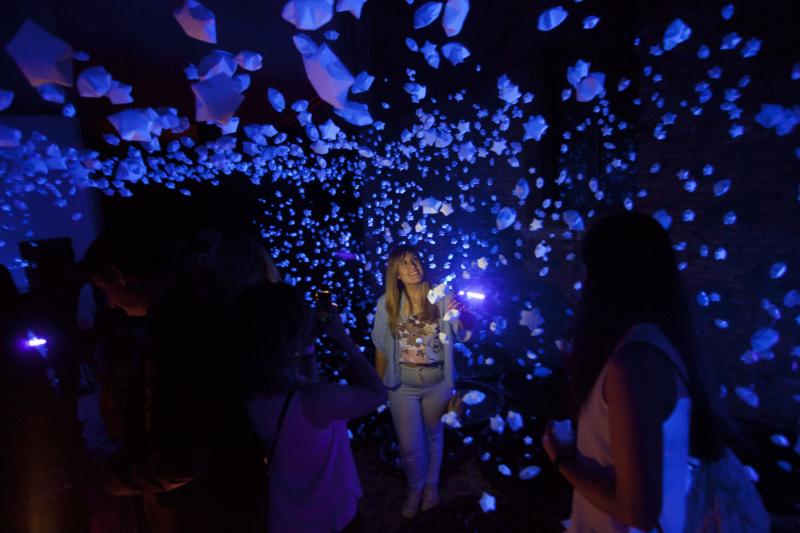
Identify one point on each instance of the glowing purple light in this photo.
(472, 295)
(346, 255)
(35, 342)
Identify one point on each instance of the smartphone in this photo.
(324, 304)
(323, 299)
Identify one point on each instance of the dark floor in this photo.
(53, 504)
(384, 491)
(461, 490)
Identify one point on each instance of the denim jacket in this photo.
(389, 344)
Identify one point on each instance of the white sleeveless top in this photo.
(594, 440)
(314, 485)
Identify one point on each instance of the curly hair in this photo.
(242, 262)
(271, 327)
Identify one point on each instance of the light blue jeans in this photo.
(417, 407)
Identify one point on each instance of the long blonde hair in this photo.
(394, 289)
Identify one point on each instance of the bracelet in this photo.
(562, 458)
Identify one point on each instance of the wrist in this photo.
(566, 456)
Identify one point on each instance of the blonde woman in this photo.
(414, 357)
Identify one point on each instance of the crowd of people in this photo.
(190, 400)
(210, 413)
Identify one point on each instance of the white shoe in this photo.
(430, 497)
(411, 504)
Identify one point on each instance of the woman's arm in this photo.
(464, 325)
(639, 400)
(324, 402)
(380, 363)
(362, 371)
(379, 329)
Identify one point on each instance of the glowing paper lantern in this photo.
(197, 21)
(426, 14)
(216, 99)
(552, 18)
(308, 14)
(353, 6)
(42, 57)
(455, 13)
(676, 33)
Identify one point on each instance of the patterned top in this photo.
(419, 341)
(387, 342)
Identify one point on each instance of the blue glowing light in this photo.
(472, 295)
(35, 342)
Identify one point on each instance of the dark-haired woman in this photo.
(634, 352)
(414, 356)
(314, 485)
(239, 263)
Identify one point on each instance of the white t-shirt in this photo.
(314, 485)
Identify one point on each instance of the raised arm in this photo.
(325, 402)
(464, 325)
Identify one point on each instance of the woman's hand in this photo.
(458, 304)
(465, 317)
(331, 323)
(558, 440)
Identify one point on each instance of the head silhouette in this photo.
(631, 269)
(272, 329)
(128, 265)
(632, 277)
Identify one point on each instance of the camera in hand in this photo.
(324, 304)
(323, 298)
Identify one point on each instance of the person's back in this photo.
(594, 442)
(639, 388)
(199, 434)
(194, 461)
(240, 263)
(314, 485)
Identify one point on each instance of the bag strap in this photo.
(669, 359)
(659, 527)
(685, 382)
(274, 446)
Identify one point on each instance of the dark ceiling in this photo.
(141, 44)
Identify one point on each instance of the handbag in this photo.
(721, 497)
